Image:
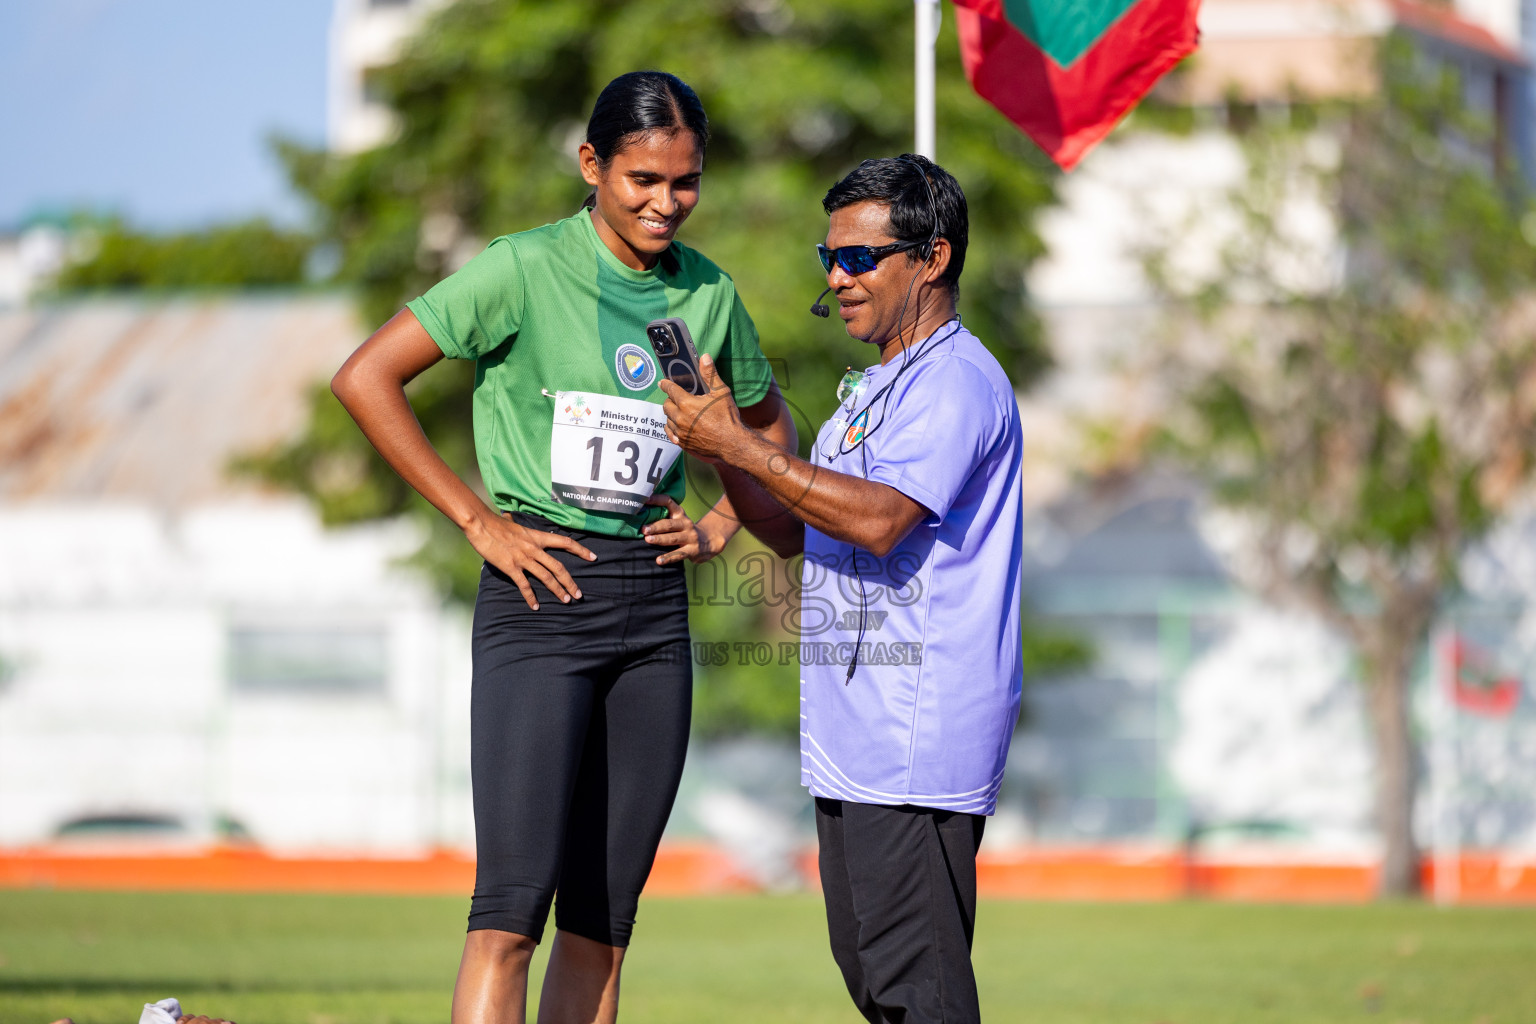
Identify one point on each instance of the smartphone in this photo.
(675, 353)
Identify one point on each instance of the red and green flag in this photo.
(1066, 71)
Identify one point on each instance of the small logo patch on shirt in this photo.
(855, 433)
(635, 368)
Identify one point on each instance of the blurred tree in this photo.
(1366, 419)
(492, 99)
(249, 254)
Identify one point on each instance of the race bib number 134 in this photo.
(607, 454)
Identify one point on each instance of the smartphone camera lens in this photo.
(662, 343)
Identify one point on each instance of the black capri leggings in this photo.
(578, 729)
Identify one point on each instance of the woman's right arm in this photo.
(371, 386)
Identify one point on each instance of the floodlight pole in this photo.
(928, 15)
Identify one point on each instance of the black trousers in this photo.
(900, 889)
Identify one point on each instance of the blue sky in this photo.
(156, 109)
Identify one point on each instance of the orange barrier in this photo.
(687, 869)
(1279, 882)
(1490, 878)
(232, 869)
(680, 869)
(1081, 874)
(704, 869)
(1096, 874)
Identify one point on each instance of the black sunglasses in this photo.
(861, 259)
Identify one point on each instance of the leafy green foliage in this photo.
(249, 254)
(1053, 651)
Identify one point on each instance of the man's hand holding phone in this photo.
(708, 425)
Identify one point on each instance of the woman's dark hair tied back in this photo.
(642, 102)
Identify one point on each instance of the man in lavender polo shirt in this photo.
(909, 517)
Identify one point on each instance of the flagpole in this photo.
(927, 16)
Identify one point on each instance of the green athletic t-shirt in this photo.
(553, 309)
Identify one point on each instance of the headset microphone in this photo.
(818, 309)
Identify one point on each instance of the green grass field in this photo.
(327, 960)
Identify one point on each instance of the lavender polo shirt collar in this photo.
(928, 715)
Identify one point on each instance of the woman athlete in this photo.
(580, 705)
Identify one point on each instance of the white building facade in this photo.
(181, 650)
(365, 35)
